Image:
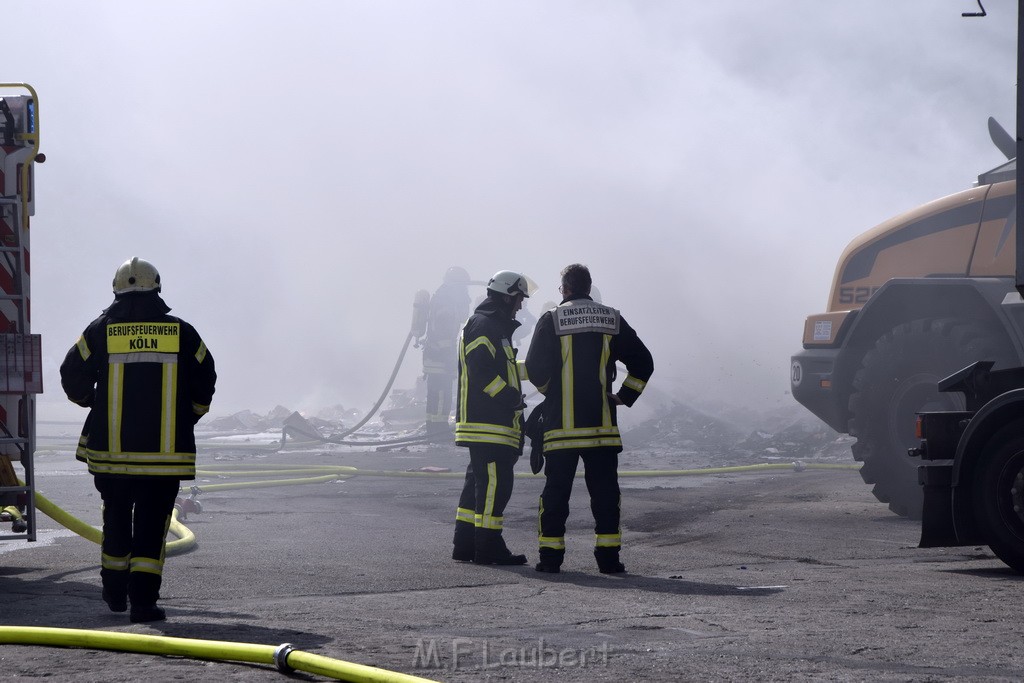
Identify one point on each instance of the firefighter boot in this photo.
(550, 561)
(464, 549)
(115, 589)
(608, 561)
(114, 602)
(491, 549)
(143, 593)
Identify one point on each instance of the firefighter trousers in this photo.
(485, 493)
(600, 467)
(136, 516)
(439, 405)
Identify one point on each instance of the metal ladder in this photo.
(19, 350)
(18, 431)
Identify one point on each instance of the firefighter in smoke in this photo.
(489, 416)
(572, 362)
(147, 378)
(449, 308)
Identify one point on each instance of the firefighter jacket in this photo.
(490, 400)
(572, 360)
(447, 313)
(147, 378)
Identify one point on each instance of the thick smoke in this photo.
(299, 172)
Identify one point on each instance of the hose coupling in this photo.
(281, 657)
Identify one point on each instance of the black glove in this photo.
(536, 457)
(534, 429)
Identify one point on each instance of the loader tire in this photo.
(898, 378)
(998, 495)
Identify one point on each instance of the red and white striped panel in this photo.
(11, 159)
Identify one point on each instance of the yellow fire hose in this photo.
(284, 657)
(186, 539)
(796, 467)
(274, 482)
(346, 472)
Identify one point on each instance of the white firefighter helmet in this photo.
(508, 282)
(136, 275)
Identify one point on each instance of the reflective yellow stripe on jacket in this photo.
(482, 432)
(467, 431)
(156, 464)
(570, 436)
(126, 348)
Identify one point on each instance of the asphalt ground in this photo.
(776, 575)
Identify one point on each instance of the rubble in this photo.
(246, 421)
(677, 434)
(683, 426)
(732, 436)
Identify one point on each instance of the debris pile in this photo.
(683, 426)
(731, 436)
(677, 435)
(328, 420)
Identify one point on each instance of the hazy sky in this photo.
(298, 170)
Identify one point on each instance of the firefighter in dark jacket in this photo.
(488, 421)
(571, 361)
(147, 378)
(448, 310)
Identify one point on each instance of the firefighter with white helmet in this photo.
(147, 378)
(489, 421)
(136, 275)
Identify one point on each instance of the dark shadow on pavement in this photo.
(652, 584)
(50, 602)
(180, 624)
(1003, 572)
(14, 571)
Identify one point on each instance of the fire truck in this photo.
(20, 350)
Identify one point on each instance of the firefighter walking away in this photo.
(147, 378)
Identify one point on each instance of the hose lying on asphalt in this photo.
(284, 657)
(268, 484)
(346, 472)
(185, 541)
